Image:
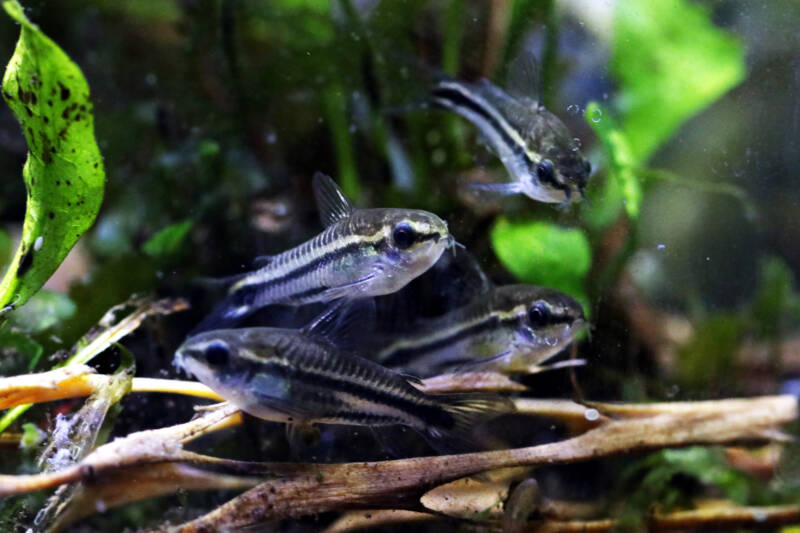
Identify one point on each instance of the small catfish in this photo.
(535, 146)
(509, 329)
(361, 253)
(294, 377)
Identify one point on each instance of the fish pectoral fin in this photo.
(481, 365)
(331, 202)
(345, 290)
(343, 322)
(513, 187)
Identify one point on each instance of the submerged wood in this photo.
(302, 489)
(309, 489)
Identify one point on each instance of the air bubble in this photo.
(574, 109)
(37, 244)
(597, 114)
(591, 414)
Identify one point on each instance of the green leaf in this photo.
(544, 254)
(32, 436)
(43, 310)
(64, 172)
(168, 241)
(671, 62)
(621, 161)
(5, 247)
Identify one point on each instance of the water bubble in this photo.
(576, 144)
(661, 246)
(574, 109)
(37, 244)
(591, 414)
(597, 114)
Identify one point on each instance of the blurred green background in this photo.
(212, 116)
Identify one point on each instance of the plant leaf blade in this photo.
(64, 173)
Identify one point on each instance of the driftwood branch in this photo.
(308, 489)
(712, 518)
(158, 456)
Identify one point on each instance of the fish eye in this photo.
(587, 166)
(538, 314)
(216, 353)
(544, 170)
(404, 235)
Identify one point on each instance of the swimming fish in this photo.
(509, 329)
(290, 376)
(535, 146)
(361, 253)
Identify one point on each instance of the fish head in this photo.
(548, 320)
(556, 161)
(410, 242)
(247, 367)
(221, 359)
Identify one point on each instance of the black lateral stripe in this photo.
(460, 99)
(407, 354)
(310, 267)
(359, 416)
(431, 414)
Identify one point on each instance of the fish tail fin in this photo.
(454, 433)
(226, 314)
(215, 283)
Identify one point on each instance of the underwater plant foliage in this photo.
(155, 154)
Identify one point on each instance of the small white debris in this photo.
(661, 246)
(37, 244)
(591, 414)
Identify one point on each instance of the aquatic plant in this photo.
(193, 153)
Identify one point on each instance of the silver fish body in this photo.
(509, 329)
(288, 376)
(535, 146)
(361, 253)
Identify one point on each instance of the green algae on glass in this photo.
(544, 254)
(64, 173)
(671, 62)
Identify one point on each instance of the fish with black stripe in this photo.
(361, 253)
(535, 146)
(291, 376)
(508, 329)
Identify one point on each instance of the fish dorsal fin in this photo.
(523, 77)
(332, 204)
(262, 260)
